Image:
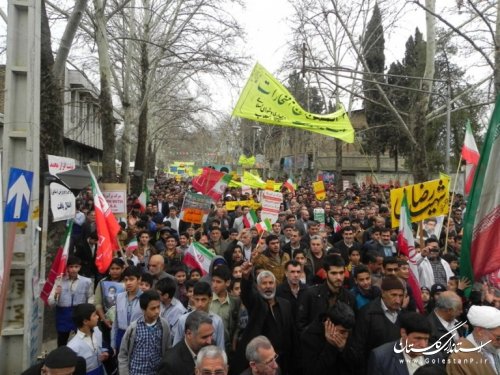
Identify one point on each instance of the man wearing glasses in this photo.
(261, 357)
(486, 333)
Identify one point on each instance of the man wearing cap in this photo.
(378, 322)
(486, 322)
(431, 268)
(60, 361)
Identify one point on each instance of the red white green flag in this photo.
(406, 245)
(470, 154)
(480, 253)
(107, 228)
(219, 188)
(250, 219)
(198, 256)
(143, 199)
(58, 267)
(264, 226)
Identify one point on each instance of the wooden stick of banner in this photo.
(421, 234)
(451, 204)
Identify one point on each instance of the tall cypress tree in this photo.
(376, 115)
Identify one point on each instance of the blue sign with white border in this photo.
(17, 204)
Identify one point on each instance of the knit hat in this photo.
(391, 282)
(61, 357)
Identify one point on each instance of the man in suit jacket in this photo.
(86, 250)
(181, 359)
(397, 357)
(444, 318)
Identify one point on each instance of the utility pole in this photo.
(21, 333)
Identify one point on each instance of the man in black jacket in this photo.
(378, 322)
(292, 288)
(181, 359)
(325, 348)
(266, 314)
(317, 299)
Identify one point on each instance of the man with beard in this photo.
(364, 291)
(267, 313)
(486, 322)
(317, 299)
(431, 268)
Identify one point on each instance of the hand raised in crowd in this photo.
(488, 293)
(333, 336)
(463, 283)
(246, 269)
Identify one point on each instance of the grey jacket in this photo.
(128, 342)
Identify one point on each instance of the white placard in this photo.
(62, 202)
(271, 201)
(59, 164)
(117, 201)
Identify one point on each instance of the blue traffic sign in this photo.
(17, 205)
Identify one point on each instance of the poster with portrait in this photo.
(110, 289)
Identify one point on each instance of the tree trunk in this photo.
(67, 38)
(417, 116)
(105, 101)
(142, 131)
(377, 157)
(128, 108)
(338, 163)
(151, 160)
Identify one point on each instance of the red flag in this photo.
(58, 267)
(207, 180)
(107, 228)
(406, 244)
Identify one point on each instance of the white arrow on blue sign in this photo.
(17, 205)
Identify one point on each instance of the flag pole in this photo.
(451, 205)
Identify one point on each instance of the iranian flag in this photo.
(470, 154)
(198, 256)
(264, 226)
(58, 267)
(406, 244)
(107, 228)
(250, 219)
(480, 253)
(132, 245)
(289, 185)
(219, 188)
(206, 180)
(143, 199)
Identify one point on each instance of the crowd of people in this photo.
(324, 296)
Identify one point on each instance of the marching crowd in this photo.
(307, 297)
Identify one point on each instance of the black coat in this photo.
(283, 290)
(318, 357)
(373, 329)
(258, 312)
(177, 361)
(83, 251)
(439, 330)
(383, 361)
(314, 302)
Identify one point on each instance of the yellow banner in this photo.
(265, 99)
(425, 200)
(254, 181)
(277, 186)
(246, 162)
(319, 190)
(231, 205)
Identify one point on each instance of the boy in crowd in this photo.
(171, 308)
(223, 304)
(127, 306)
(146, 282)
(146, 339)
(202, 295)
(363, 291)
(87, 343)
(72, 290)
